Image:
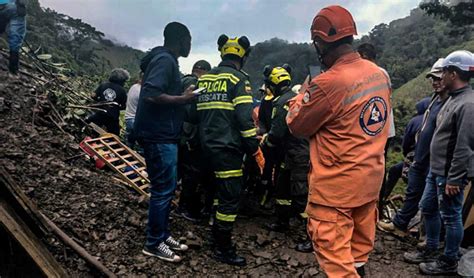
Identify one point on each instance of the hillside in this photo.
(405, 97)
(80, 46)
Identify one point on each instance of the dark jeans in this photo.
(130, 139)
(435, 203)
(16, 23)
(161, 161)
(416, 185)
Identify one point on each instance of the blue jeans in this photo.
(435, 203)
(17, 26)
(416, 185)
(161, 161)
(130, 139)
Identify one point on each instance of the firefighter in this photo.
(227, 132)
(292, 154)
(344, 112)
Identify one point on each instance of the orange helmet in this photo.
(333, 23)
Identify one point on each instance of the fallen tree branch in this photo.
(76, 247)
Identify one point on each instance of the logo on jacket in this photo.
(109, 94)
(373, 116)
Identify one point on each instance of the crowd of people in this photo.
(318, 149)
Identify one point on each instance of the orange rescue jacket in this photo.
(344, 111)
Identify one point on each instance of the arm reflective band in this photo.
(225, 217)
(215, 105)
(249, 133)
(283, 202)
(229, 174)
(242, 99)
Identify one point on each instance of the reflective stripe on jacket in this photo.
(344, 111)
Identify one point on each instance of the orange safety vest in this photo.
(344, 111)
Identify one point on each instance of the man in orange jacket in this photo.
(344, 112)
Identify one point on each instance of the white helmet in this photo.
(462, 59)
(436, 69)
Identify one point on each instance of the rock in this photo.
(262, 239)
(193, 263)
(285, 257)
(293, 262)
(262, 254)
(312, 271)
(389, 238)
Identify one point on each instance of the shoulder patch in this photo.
(110, 94)
(373, 116)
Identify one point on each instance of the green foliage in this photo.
(410, 45)
(461, 14)
(405, 97)
(276, 52)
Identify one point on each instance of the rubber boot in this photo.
(306, 246)
(14, 62)
(224, 251)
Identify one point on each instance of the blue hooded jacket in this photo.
(414, 125)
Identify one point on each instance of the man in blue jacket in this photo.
(12, 15)
(420, 166)
(158, 125)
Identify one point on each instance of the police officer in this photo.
(227, 132)
(291, 153)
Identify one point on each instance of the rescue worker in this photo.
(344, 112)
(113, 97)
(292, 154)
(265, 120)
(190, 164)
(227, 132)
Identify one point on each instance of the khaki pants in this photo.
(342, 237)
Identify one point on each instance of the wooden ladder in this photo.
(123, 160)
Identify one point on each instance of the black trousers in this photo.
(111, 124)
(227, 167)
(291, 192)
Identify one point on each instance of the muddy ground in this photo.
(108, 219)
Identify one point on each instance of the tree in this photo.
(461, 14)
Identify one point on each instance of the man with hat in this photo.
(451, 148)
(421, 162)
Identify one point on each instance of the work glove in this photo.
(260, 159)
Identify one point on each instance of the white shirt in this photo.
(132, 101)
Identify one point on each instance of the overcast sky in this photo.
(140, 23)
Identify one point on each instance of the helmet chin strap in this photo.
(321, 55)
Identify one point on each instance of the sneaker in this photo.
(175, 245)
(389, 227)
(163, 252)
(421, 256)
(442, 266)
